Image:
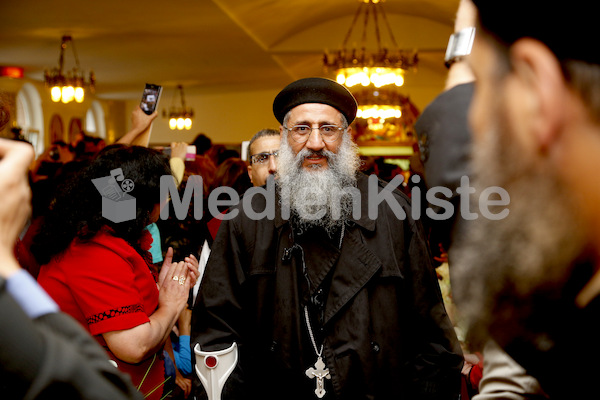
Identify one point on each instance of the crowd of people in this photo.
(338, 289)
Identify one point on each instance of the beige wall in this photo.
(230, 118)
(227, 118)
(65, 111)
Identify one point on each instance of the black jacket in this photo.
(385, 331)
(53, 357)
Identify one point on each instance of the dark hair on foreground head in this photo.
(579, 63)
(76, 212)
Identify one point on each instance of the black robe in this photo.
(382, 322)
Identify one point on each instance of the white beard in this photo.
(316, 197)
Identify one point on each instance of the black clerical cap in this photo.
(315, 90)
(567, 28)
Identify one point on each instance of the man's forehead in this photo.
(266, 143)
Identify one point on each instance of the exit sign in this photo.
(11, 72)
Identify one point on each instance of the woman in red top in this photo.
(97, 269)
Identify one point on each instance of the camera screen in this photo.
(150, 98)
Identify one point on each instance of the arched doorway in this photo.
(94, 120)
(30, 117)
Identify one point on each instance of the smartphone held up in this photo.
(150, 98)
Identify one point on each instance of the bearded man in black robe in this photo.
(327, 287)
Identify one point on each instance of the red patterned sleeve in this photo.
(110, 291)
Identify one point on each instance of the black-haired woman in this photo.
(97, 270)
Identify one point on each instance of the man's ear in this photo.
(543, 90)
(249, 167)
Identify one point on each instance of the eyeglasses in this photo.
(263, 158)
(301, 133)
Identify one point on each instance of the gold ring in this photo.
(181, 280)
(175, 277)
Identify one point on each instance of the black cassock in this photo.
(374, 304)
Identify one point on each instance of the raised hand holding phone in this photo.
(142, 117)
(150, 98)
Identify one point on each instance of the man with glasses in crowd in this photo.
(326, 302)
(262, 156)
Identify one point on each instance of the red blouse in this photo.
(107, 286)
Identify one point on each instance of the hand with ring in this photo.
(174, 291)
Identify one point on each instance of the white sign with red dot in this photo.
(214, 367)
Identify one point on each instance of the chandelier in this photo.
(381, 71)
(70, 86)
(397, 128)
(180, 117)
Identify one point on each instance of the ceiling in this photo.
(210, 46)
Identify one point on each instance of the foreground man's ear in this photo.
(541, 91)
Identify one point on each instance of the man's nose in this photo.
(272, 164)
(315, 141)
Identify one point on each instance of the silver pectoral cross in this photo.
(320, 372)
